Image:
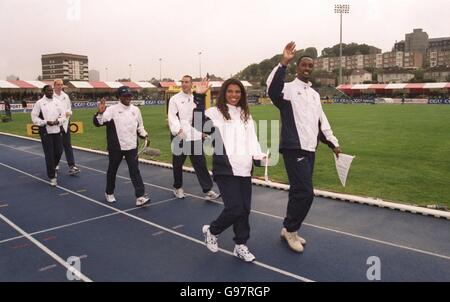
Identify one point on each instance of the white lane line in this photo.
(177, 226)
(269, 267)
(363, 237)
(3, 205)
(82, 191)
(305, 224)
(86, 220)
(100, 171)
(46, 268)
(158, 233)
(282, 218)
(63, 194)
(436, 213)
(46, 250)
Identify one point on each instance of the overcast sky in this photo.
(231, 34)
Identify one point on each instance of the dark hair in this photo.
(304, 56)
(45, 87)
(222, 100)
(187, 76)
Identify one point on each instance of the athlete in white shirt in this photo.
(123, 123)
(49, 115)
(60, 95)
(236, 149)
(303, 125)
(187, 139)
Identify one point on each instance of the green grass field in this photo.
(402, 152)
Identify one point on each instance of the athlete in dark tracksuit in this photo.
(236, 149)
(49, 115)
(303, 124)
(123, 123)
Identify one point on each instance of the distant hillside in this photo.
(350, 50)
(258, 73)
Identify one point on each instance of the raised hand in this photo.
(288, 53)
(203, 87)
(102, 105)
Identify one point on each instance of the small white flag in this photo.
(343, 163)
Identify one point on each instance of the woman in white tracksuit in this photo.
(236, 148)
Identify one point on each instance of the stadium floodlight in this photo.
(341, 9)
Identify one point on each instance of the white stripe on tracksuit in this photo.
(236, 144)
(303, 120)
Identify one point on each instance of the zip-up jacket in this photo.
(48, 110)
(66, 105)
(181, 116)
(123, 125)
(235, 144)
(303, 122)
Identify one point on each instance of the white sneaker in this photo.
(57, 168)
(53, 182)
(179, 193)
(211, 195)
(241, 251)
(302, 240)
(210, 239)
(110, 198)
(74, 170)
(140, 201)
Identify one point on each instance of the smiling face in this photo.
(305, 68)
(233, 94)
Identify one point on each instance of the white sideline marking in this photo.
(269, 267)
(46, 250)
(274, 216)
